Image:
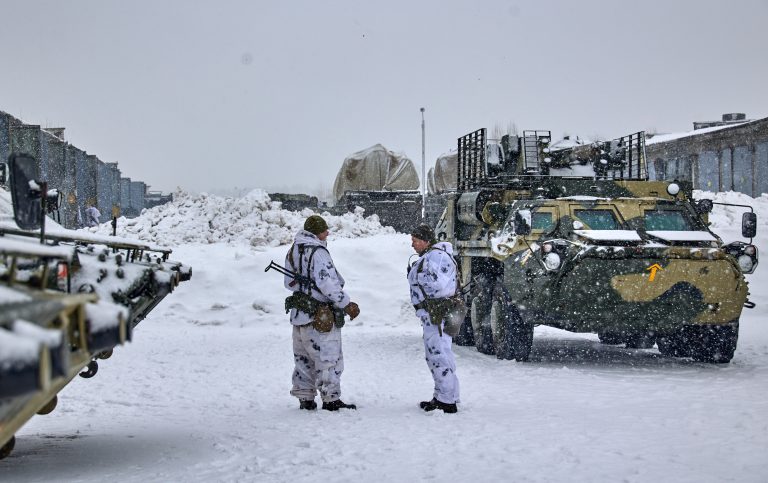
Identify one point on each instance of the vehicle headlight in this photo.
(745, 263)
(552, 261)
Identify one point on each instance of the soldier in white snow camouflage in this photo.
(433, 277)
(317, 321)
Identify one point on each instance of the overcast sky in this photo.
(217, 95)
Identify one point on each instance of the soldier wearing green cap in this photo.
(318, 358)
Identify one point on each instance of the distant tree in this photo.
(323, 191)
(651, 131)
(498, 131)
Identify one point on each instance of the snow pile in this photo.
(726, 220)
(253, 219)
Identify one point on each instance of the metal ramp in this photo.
(535, 151)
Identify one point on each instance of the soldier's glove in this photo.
(352, 310)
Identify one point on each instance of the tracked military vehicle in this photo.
(67, 298)
(579, 239)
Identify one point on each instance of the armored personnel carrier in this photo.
(579, 239)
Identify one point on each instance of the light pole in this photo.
(423, 172)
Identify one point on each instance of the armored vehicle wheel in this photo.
(704, 343)
(608, 337)
(715, 343)
(7, 447)
(481, 325)
(674, 344)
(105, 354)
(522, 340)
(92, 369)
(49, 406)
(466, 336)
(500, 330)
(643, 340)
(512, 338)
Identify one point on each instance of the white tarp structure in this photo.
(375, 169)
(443, 176)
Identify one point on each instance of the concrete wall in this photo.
(87, 170)
(56, 160)
(126, 209)
(7, 122)
(25, 139)
(138, 191)
(71, 215)
(107, 189)
(83, 179)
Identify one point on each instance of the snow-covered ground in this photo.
(201, 394)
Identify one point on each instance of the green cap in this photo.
(315, 224)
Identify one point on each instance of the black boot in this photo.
(428, 405)
(308, 404)
(337, 404)
(435, 404)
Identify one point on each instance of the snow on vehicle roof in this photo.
(47, 337)
(105, 315)
(612, 235)
(76, 235)
(9, 296)
(32, 247)
(682, 235)
(574, 170)
(16, 349)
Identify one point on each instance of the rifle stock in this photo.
(303, 281)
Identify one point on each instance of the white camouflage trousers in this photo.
(319, 363)
(441, 363)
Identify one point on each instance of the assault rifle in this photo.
(470, 288)
(304, 281)
(304, 302)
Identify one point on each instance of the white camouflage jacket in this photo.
(435, 273)
(322, 271)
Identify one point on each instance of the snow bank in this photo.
(253, 219)
(726, 220)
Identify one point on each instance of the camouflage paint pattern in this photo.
(600, 284)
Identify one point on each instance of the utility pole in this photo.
(423, 172)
